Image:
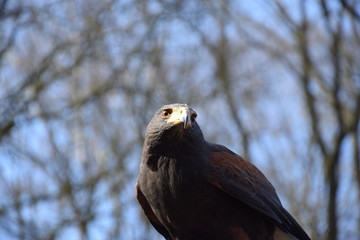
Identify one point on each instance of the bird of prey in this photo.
(191, 189)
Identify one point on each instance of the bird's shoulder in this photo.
(241, 179)
(228, 165)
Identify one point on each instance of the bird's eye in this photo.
(193, 116)
(166, 113)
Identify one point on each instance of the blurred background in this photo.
(276, 81)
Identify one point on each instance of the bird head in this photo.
(177, 114)
(173, 123)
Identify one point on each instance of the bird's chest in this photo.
(175, 192)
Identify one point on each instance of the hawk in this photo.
(191, 189)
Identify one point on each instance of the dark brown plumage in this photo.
(191, 189)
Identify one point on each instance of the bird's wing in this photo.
(150, 214)
(242, 180)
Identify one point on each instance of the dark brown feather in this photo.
(150, 214)
(239, 233)
(242, 180)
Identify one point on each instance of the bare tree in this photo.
(328, 80)
(81, 80)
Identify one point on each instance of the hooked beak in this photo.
(184, 115)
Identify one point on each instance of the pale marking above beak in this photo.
(181, 115)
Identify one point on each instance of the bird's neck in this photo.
(180, 151)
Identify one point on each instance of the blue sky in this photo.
(273, 111)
